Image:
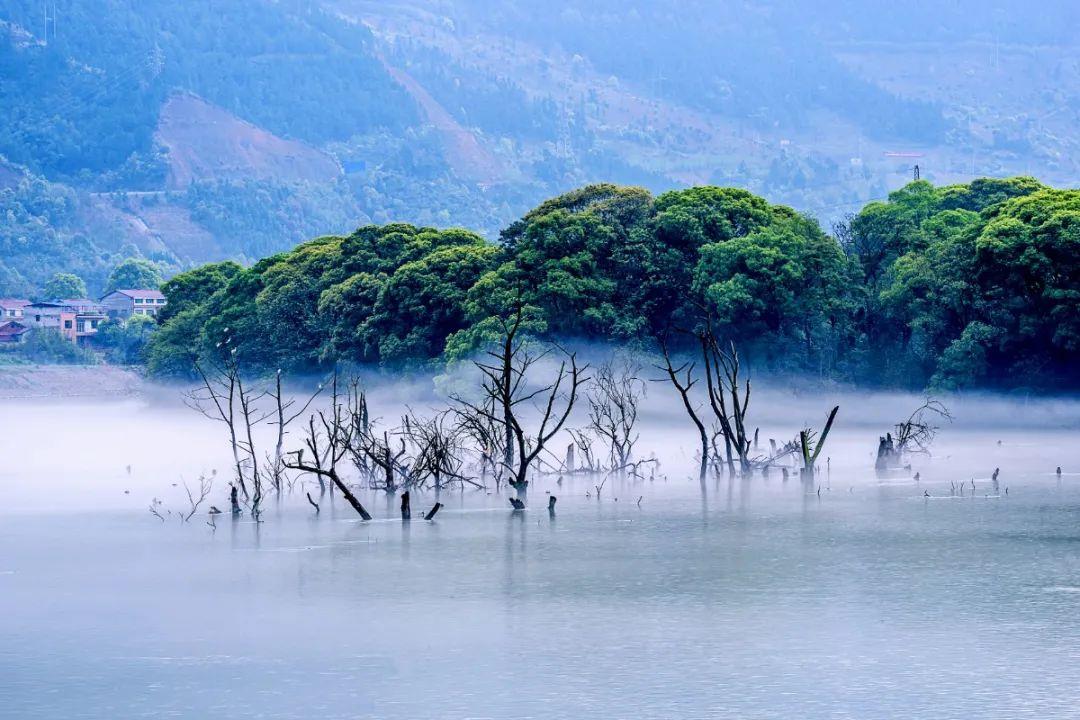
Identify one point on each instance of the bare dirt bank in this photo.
(69, 381)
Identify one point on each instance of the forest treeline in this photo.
(958, 286)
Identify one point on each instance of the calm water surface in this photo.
(758, 599)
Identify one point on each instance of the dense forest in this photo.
(958, 286)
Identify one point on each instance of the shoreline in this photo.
(59, 382)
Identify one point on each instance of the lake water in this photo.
(739, 599)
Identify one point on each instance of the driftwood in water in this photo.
(313, 503)
(517, 504)
(433, 510)
(406, 510)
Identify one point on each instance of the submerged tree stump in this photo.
(888, 456)
(406, 509)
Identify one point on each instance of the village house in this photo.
(12, 309)
(12, 331)
(122, 304)
(75, 319)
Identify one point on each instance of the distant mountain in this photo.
(199, 130)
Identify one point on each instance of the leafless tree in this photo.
(683, 380)
(613, 397)
(328, 440)
(917, 433)
(196, 499)
(729, 397)
(284, 414)
(381, 457)
(250, 417)
(582, 448)
(912, 436)
(216, 399)
(509, 394)
(439, 453)
(482, 428)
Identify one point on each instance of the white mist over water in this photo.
(743, 598)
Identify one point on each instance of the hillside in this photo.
(199, 131)
(822, 110)
(204, 142)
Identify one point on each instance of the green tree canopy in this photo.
(64, 286)
(954, 286)
(969, 284)
(784, 282)
(134, 274)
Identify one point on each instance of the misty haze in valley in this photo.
(507, 359)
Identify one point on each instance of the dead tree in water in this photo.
(913, 436)
(613, 401)
(722, 368)
(283, 416)
(917, 433)
(579, 454)
(251, 415)
(682, 379)
(507, 395)
(482, 429)
(216, 399)
(439, 454)
(378, 456)
(386, 461)
(563, 389)
(328, 440)
(811, 445)
(196, 500)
